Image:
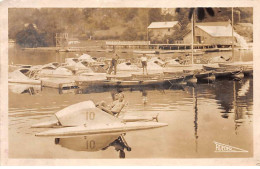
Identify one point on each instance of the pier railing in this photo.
(127, 43)
(148, 45)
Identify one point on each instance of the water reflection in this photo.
(197, 115)
(233, 102)
(92, 143)
(201, 111)
(142, 89)
(241, 110)
(37, 57)
(234, 98)
(35, 89)
(195, 103)
(144, 95)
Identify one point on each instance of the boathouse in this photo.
(157, 30)
(214, 33)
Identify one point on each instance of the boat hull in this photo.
(99, 129)
(223, 74)
(211, 50)
(191, 80)
(237, 64)
(238, 75)
(248, 72)
(24, 81)
(210, 68)
(125, 118)
(228, 71)
(208, 78)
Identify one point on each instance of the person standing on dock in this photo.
(113, 64)
(144, 63)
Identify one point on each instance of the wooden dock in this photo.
(165, 47)
(69, 49)
(169, 77)
(184, 47)
(127, 44)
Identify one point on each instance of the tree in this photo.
(104, 24)
(88, 12)
(130, 14)
(29, 37)
(155, 15)
(168, 17)
(200, 12)
(129, 34)
(80, 21)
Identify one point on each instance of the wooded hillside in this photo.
(37, 26)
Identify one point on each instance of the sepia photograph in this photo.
(130, 83)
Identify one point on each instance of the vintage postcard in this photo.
(129, 82)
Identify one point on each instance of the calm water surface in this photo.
(35, 57)
(197, 116)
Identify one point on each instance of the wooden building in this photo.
(215, 33)
(157, 30)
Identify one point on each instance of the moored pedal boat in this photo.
(237, 75)
(225, 72)
(22, 76)
(237, 64)
(248, 72)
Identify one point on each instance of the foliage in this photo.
(29, 37)
(155, 15)
(199, 12)
(85, 22)
(129, 34)
(247, 33)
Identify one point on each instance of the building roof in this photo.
(217, 30)
(225, 23)
(162, 24)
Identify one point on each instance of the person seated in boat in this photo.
(116, 106)
(115, 97)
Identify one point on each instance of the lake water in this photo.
(197, 116)
(35, 57)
